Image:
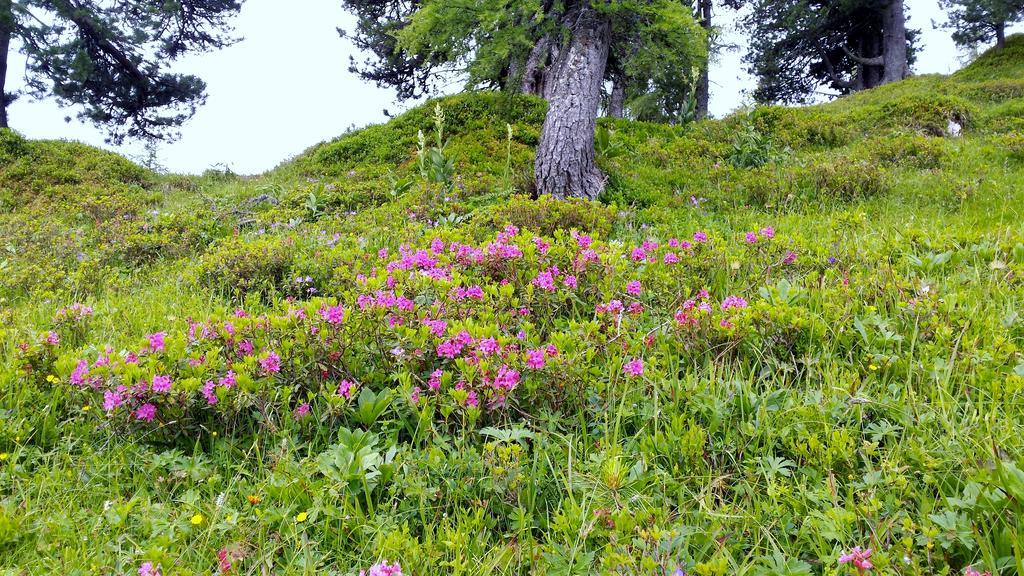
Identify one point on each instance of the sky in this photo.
(286, 86)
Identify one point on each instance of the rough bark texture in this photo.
(703, 82)
(565, 165)
(617, 101)
(6, 25)
(533, 70)
(1001, 35)
(894, 37)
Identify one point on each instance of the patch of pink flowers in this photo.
(634, 367)
(270, 363)
(859, 558)
(149, 569)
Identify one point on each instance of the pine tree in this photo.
(982, 21)
(110, 58)
(562, 50)
(799, 46)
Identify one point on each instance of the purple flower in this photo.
(345, 389)
(161, 384)
(634, 288)
(333, 315)
(700, 237)
(146, 412)
(789, 258)
(535, 359)
(112, 400)
(149, 569)
(157, 341)
(271, 363)
(634, 367)
(858, 558)
(210, 392)
(751, 237)
(768, 232)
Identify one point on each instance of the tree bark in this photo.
(6, 30)
(1001, 35)
(704, 82)
(565, 164)
(894, 37)
(617, 100)
(533, 70)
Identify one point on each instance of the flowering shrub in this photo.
(467, 331)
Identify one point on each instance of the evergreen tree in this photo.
(982, 21)
(798, 46)
(110, 58)
(562, 50)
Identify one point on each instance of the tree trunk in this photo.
(565, 165)
(703, 82)
(617, 101)
(1001, 35)
(894, 37)
(6, 30)
(533, 69)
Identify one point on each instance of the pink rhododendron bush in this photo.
(461, 334)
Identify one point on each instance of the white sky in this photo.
(286, 87)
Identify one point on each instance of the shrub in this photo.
(239, 267)
(547, 215)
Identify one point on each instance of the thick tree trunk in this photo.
(6, 30)
(1001, 35)
(617, 100)
(894, 38)
(565, 164)
(703, 82)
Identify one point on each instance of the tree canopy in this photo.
(982, 21)
(110, 58)
(799, 46)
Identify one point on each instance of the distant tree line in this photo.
(643, 59)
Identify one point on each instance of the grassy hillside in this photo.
(780, 336)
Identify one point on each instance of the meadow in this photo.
(787, 342)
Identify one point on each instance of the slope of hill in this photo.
(782, 338)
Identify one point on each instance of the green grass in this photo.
(870, 394)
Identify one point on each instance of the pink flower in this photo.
(228, 380)
(149, 569)
(245, 348)
(700, 237)
(271, 363)
(345, 389)
(507, 379)
(112, 400)
(210, 392)
(542, 245)
(161, 384)
(146, 412)
(435, 380)
(859, 558)
(535, 359)
(634, 367)
(789, 258)
(437, 246)
(751, 237)
(671, 258)
(488, 346)
(157, 341)
(80, 373)
(971, 571)
(224, 560)
(333, 315)
(52, 338)
(638, 255)
(570, 281)
(301, 411)
(768, 232)
(471, 401)
(582, 240)
(545, 281)
(634, 288)
(733, 302)
(414, 397)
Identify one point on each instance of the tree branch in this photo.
(876, 61)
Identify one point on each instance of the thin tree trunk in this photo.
(617, 101)
(703, 82)
(894, 35)
(6, 30)
(533, 70)
(565, 164)
(1001, 35)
